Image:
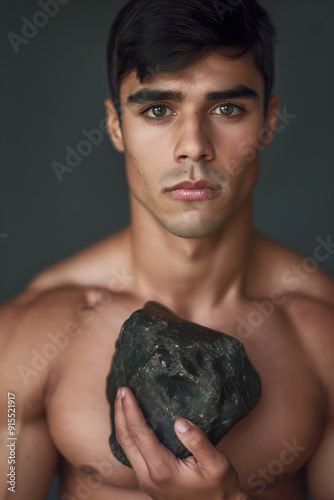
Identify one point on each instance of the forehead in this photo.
(215, 72)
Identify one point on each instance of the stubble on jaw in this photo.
(185, 228)
(199, 224)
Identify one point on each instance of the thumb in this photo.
(196, 441)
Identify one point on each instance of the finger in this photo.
(124, 439)
(156, 455)
(195, 440)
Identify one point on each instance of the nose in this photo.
(193, 140)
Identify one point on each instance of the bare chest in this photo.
(267, 448)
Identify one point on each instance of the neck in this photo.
(185, 273)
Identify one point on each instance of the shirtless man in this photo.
(190, 130)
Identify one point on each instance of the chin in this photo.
(198, 229)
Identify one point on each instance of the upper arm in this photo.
(320, 477)
(31, 456)
(26, 370)
(315, 322)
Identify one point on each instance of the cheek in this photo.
(141, 146)
(142, 163)
(240, 150)
(148, 154)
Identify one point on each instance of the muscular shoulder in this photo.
(299, 286)
(28, 350)
(277, 268)
(313, 323)
(97, 265)
(26, 319)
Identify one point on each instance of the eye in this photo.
(228, 110)
(158, 111)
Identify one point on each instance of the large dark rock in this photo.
(176, 368)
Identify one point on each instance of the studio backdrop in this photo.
(53, 84)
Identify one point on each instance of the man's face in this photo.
(191, 140)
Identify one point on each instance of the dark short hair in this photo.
(161, 36)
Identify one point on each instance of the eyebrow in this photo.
(147, 95)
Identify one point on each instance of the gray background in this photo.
(54, 88)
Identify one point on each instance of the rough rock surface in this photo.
(177, 368)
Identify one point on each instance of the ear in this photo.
(114, 126)
(271, 121)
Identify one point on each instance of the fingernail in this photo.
(183, 425)
(120, 393)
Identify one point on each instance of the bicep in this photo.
(30, 460)
(27, 453)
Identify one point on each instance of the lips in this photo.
(201, 184)
(194, 191)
